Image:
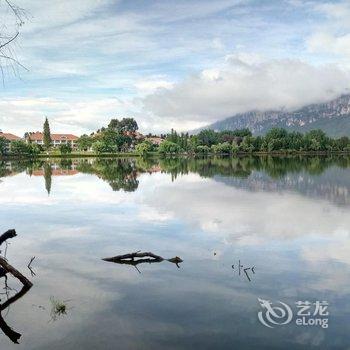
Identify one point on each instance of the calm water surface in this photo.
(286, 218)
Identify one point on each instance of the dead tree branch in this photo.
(129, 259)
(8, 38)
(6, 268)
(8, 234)
(15, 273)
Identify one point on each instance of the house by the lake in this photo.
(57, 139)
(9, 137)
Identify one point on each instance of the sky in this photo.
(170, 64)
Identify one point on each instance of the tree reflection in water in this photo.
(250, 172)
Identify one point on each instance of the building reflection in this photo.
(322, 177)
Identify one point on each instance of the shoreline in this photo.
(188, 155)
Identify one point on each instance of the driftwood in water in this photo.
(130, 259)
(6, 268)
(8, 234)
(12, 334)
(14, 272)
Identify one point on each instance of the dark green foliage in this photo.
(4, 144)
(110, 141)
(144, 148)
(168, 147)
(48, 177)
(21, 148)
(65, 149)
(126, 124)
(84, 143)
(121, 174)
(207, 138)
(47, 134)
(276, 140)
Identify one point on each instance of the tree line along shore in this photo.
(121, 138)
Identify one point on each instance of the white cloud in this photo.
(114, 49)
(329, 43)
(76, 116)
(247, 83)
(147, 86)
(332, 35)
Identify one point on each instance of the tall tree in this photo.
(47, 134)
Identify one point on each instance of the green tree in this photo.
(110, 141)
(202, 149)
(84, 143)
(317, 140)
(4, 144)
(65, 148)
(126, 124)
(242, 132)
(247, 144)
(47, 134)
(222, 148)
(103, 147)
(34, 149)
(144, 148)
(168, 147)
(19, 147)
(207, 138)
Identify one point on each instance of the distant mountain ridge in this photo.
(333, 117)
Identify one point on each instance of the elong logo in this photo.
(282, 314)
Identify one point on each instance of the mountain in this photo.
(333, 117)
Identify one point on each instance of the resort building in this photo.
(9, 137)
(57, 139)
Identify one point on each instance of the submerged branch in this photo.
(8, 234)
(14, 272)
(129, 259)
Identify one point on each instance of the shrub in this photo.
(168, 147)
(144, 147)
(65, 148)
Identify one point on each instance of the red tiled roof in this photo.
(56, 172)
(39, 136)
(155, 140)
(9, 137)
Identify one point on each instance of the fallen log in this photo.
(129, 259)
(12, 334)
(6, 268)
(134, 255)
(14, 272)
(8, 234)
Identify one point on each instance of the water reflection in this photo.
(322, 176)
(288, 218)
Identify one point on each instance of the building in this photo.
(57, 139)
(9, 137)
(155, 140)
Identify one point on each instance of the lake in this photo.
(264, 242)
